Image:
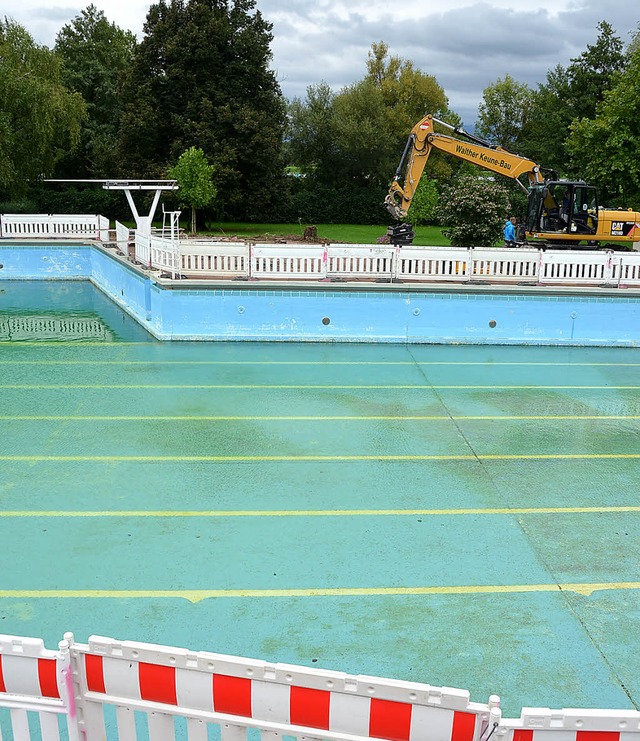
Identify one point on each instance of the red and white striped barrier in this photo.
(278, 698)
(543, 724)
(35, 680)
(27, 668)
(242, 695)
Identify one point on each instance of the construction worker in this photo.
(510, 232)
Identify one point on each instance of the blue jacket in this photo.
(509, 232)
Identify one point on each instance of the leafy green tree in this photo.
(571, 93)
(193, 174)
(407, 93)
(353, 140)
(551, 116)
(312, 137)
(95, 53)
(200, 77)
(608, 145)
(474, 211)
(504, 113)
(39, 118)
(592, 72)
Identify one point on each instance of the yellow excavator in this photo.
(561, 213)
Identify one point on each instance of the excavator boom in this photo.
(423, 140)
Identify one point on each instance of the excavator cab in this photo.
(558, 207)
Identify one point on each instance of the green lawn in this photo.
(429, 236)
(353, 233)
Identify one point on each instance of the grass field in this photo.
(353, 233)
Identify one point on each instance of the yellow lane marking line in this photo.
(153, 361)
(252, 387)
(301, 417)
(305, 458)
(197, 595)
(319, 512)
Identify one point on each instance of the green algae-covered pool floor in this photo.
(461, 516)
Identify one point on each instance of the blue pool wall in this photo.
(238, 310)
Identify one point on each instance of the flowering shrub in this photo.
(475, 210)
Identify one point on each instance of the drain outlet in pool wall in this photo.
(492, 323)
(326, 320)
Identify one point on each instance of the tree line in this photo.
(100, 104)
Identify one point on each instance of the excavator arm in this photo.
(423, 140)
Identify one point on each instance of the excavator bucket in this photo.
(401, 234)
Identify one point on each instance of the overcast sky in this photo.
(465, 44)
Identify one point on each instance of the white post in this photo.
(65, 683)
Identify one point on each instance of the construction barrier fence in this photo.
(174, 258)
(109, 689)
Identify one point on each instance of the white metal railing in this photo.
(571, 267)
(214, 259)
(48, 226)
(272, 261)
(223, 259)
(142, 245)
(200, 258)
(367, 261)
(100, 687)
(433, 264)
(165, 254)
(505, 265)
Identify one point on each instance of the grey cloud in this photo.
(465, 49)
(55, 14)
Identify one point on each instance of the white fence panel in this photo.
(165, 254)
(569, 724)
(19, 225)
(627, 269)
(501, 265)
(123, 237)
(47, 226)
(286, 261)
(582, 268)
(142, 248)
(360, 261)
(36, 681)
(219, 259)
(103, 228)
(433, 264)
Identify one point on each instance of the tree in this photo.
(353, 140)
(592, 72)
(569, 94)
(474, 210)
(551, 116)
(504, 113)
(39, 118)
(608, 145)
(407, 93)
(193, 174)
(95, 53)
(312, 137)
(200, 77)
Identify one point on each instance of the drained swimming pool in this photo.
(464, 516)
